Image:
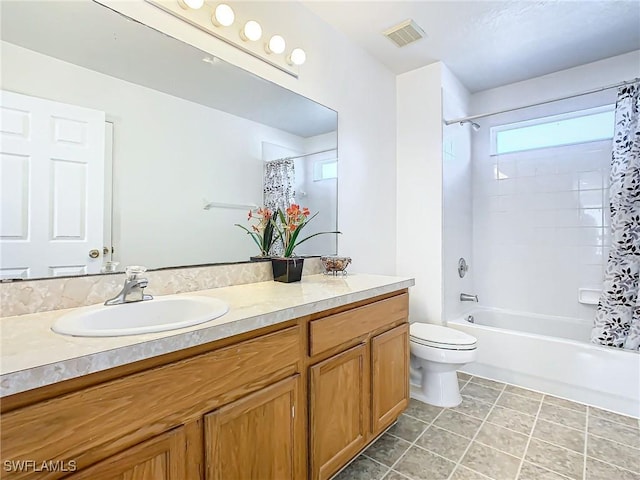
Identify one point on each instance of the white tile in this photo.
(591, 217)
(507, 186)
(560, 200)
(590, 180)
(580, 236)
(590, 199)
(525, 168)
(567, 217)
(590, 255)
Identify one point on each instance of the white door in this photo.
(51, 187)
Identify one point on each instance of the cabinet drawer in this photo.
(328, 332)
(96, 422)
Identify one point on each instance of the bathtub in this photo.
(552, 355)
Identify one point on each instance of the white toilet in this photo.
(436, 353)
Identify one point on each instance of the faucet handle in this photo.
(132, 271)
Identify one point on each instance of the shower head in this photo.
(474, 125)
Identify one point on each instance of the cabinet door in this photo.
(160, 458)
(260, 436)
(339, 410)
(390, 376)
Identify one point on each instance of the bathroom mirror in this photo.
(122, 144)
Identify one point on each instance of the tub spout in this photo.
(466, 297)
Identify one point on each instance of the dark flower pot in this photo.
(287, 270)
(260, 258)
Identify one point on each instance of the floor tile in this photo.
(443, 442)
(502, 439)
(462, 473)
(563, 416)
(387, 449)
(362, 468)
(518, 421)
(394, 476)
(461, 384)
(458, 423)
(490, 462)
(420, 464)
(614, 417)
(480, 392)
(517, 402)
(473, 407)
(613, 452)
(407, 428)
(614, 431)
(597, 470)
(560, 435)
(523, 392)
(534, 472)
(561, 402)
(463, 376)
(554, 458)
(485, 382)
(422, 411)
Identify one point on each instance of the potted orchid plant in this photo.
(288, 225)
(262, 232)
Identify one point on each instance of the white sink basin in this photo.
(157, 315)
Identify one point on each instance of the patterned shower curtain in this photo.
(279, 181)
(617, 321)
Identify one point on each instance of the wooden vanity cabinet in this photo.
(257, 436)
(288, 402)
(356, 392)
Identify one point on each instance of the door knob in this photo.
(95, 253)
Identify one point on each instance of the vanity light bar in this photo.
(220, 18)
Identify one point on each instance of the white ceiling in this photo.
(491, 43)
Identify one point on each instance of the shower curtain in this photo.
(617, 321)
(279, 193)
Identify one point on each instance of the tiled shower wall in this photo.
(540, 226)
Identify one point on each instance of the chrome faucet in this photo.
(466, 297)
(133, 289)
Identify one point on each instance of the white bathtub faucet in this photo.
(466, 297)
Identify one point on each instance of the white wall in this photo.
(344, 77)
(541, 217)
(162, 144)
(559, 84)
(419, 187)
(456, 185)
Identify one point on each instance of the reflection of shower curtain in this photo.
(617, 320)
(279, 193)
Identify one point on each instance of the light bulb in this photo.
(276, 45)
(297, 57)
(194, 4)
(223, 16)
(251, 31)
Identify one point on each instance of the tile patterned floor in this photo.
(503, 432)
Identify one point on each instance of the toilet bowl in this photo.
(436, 353)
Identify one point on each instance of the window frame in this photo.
(495, 130)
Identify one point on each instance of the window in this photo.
(567, 129)
(325, 170)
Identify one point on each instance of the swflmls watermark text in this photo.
(39, 465)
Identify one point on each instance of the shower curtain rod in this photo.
(305, 155)
(596, 90)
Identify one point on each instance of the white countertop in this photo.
(33, 356)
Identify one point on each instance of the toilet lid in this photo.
(439, 336)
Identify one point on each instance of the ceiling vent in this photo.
(404, 33)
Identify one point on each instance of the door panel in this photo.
(160, 458)
(339, 396)
(258, 436)
(52, 179)
(390, 377)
